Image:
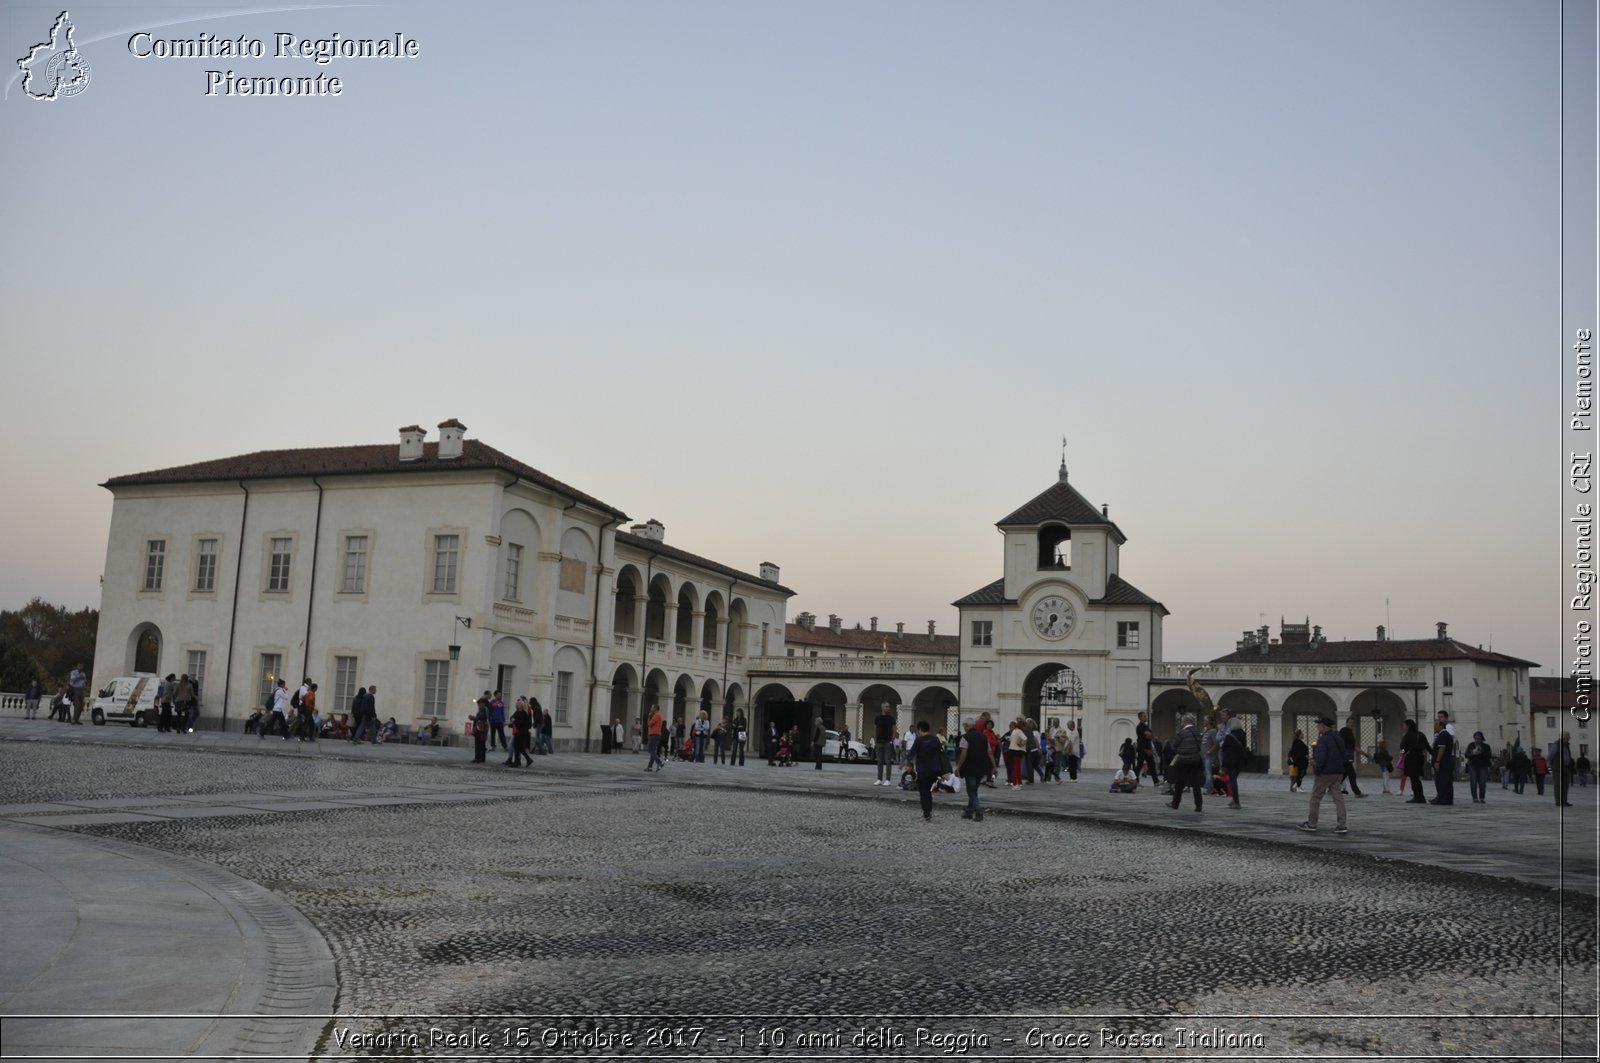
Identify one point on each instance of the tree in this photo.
(46, 642)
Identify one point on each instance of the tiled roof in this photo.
(1369, 650)
(862, 639)
(1118, 592)
(993, 594)
(1060, 502)
(1554, 692)
(353, 461)
(661, 549)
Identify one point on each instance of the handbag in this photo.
(1294, 772)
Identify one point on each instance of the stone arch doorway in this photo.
(1051, 689)
(1300, 712)
(623, 683)
(1380, 717)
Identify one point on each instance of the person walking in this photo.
(819, 735)
(653, 734)
(973, 765)
(1561, 766)
(1521, 768)
(30, 701)
(1347, 735)
(1186, 770)
(277, 720)
(1299, 761)
(1145, 743)
(358, 713)
(1478, 753)
(1328, 760)
(1416, 750)
(1016, 754)
(1074, 750)
(1444, 764)
(521, 735)
(926, 757)
(164, 692)
(1541, 768)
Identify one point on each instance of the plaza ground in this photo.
(321, 900)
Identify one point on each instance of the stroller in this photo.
(785, 752)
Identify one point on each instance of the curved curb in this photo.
(282, 983)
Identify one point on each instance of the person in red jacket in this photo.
(654, 730)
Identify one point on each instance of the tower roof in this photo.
(1059, 502)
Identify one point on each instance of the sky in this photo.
(826, 284)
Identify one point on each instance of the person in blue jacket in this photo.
(1328, 760)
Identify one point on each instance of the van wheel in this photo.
(97, 717)
(139, 719)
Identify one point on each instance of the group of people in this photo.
(66, 706)
(1214, 765)
(531, 729)
(179, 704)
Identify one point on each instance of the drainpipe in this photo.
(316, 540)
(233, 619)
(594, 634)
(729, 606)
(644, 641)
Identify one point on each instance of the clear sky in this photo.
(826, 283)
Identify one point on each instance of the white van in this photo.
(128, 698)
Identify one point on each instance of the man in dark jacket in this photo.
(1187, 768)
(819, 735)
(974, 765)
(884, 726)
(1561, 767)
(1328, 763)
(926, 757)
(1347, 735)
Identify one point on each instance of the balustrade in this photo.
(1211, 674)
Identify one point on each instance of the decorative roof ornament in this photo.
(1061, 476)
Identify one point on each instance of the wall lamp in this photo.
(455, 650)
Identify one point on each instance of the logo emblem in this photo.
(55, 69)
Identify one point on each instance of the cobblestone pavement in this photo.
(841, 926)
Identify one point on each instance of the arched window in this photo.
(1055, 546)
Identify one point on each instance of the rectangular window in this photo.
(1128, 634)
(513, 570)
(271, 672)
(197, 670)
(155, 562)
(983, 632)
(355, 565)
(572, 573)
(1446, 675)
(446, 548)
(435, 687)
(563, 697)
(278, 567)
(344, 683)
(205, 566)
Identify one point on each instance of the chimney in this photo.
(807, 621)
(411, 438)
(450, 433)
(1443, 631)
(1381, 634)
(899, 629)
(834, 623)
(1105, 511)
(1316, 636)
(651, 529)
(930, 629)
(874, 623)
(769, 572)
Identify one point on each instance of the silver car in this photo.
(853, 751)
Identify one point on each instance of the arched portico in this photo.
(624, 687)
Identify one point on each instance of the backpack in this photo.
(294, 700)
(266, 706)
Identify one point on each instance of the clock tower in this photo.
(1061, 635)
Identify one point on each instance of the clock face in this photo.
(1053, 617)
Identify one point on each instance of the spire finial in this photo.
(1062, 474)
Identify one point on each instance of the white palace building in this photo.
(438, 570)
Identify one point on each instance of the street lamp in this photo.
(455, 650)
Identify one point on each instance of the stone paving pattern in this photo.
(583, 887)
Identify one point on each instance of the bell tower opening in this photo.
(1055, 546)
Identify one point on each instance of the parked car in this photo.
(853, 751)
